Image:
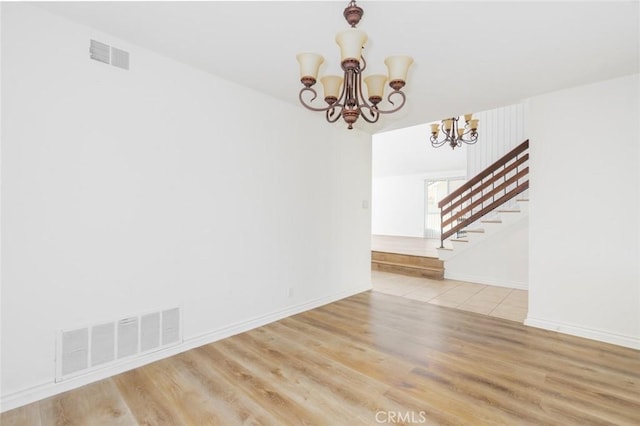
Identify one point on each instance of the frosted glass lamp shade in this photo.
(331, 84)
(398, 67)
(375, 86)
(448, 123)
(351, 42)
(309, 65)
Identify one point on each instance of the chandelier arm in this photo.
(395, 92)
(342, 99)
(447, 137)
(315, 95)
(473, 139)
(364, 63)
(375, 114)
(436, 143)
(334, 113)
(362, 101)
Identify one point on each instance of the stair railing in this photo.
(485, 192)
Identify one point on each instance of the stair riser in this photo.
(408, 270)
(428, 262)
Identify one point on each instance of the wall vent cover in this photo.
(119, 58)
(75, 351)
(170, 326)
(127, 337)
(99, 51)
(101, 345)
(150, 332)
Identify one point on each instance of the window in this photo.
(436, 190)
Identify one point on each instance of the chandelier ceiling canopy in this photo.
(343, 95)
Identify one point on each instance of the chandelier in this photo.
(454, 135)
(343, 94)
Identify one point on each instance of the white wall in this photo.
(129, 191)
(398, 203)
(402, 160)
(500, 130)
(501, 259)
(585, 215)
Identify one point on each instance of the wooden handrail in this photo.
(466, 204)
(485, 184)
(494, 205)
(486, 172)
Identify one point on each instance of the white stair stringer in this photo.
(491, 224)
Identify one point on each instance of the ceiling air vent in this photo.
(99, 51)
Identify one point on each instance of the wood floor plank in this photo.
(28, 415)
(533, 349)
(439, 389)
(146, 403)
(299, 386)
(360, 385)
(286, 407)
(349, 361)
(231, 405)
(99, 403)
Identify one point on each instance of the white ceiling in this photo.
(469, 56)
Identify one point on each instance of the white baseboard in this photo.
(46, 390)
(632, 342)
(485, 280)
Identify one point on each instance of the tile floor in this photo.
(498, 302)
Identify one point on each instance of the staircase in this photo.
(485, 204)
(406, 264)
(484, 228)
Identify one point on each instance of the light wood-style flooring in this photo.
(366, 359)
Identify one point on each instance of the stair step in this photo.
(508, 211)
(406, 259)
(491, 221)
(412, 270)
(522, 199)
(459, 241)
(475, 231)
(426, 268)
(406, 264)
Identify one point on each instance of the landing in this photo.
(405, 245)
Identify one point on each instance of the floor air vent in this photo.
(82, 350)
